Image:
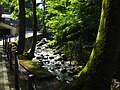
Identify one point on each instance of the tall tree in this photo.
(31, 54)
(21, 41)
(98, 72)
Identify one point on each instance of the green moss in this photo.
(35, 69)
(98, 50)
(87, 67)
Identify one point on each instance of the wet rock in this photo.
(52, 69)
(40, 60)
(40, 57)
(72, 69)
(40, 43)
(71, 74)
(38, 47)
(79, 68)
(62, 62)
(40, 63)
(75, 72)
(55, 63)
(44, 53)
(63, 70)
(43, 41)
(62, 57)
(47, 62)
(56, 51)
(51, 57)
(45, 57)
(59, 58)
(58, 67)
(118, 86)
(35, 60)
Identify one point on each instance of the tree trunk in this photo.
(21, 41)
(98, 72)
(31, 55)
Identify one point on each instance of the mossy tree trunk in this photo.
(22, 26)
(99, 70)
(34, 41)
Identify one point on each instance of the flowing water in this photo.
(62, 70)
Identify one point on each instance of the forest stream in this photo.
(63, 70)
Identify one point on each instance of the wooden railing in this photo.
(6, 21)
(14, 65)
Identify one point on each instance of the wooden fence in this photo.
(13, 57)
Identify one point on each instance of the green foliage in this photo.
(14, 4)
(6, 4)
(28, 13)
(61, 19)
(90, 13)
(66, 17)
(75, 51)
(14, 15)
(74, 23)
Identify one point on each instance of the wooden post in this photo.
(31, 82)
(9, 41)
(10, 55)
(4, 41)
(16, 71)
(8, 46)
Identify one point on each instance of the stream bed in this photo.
(53, 63)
